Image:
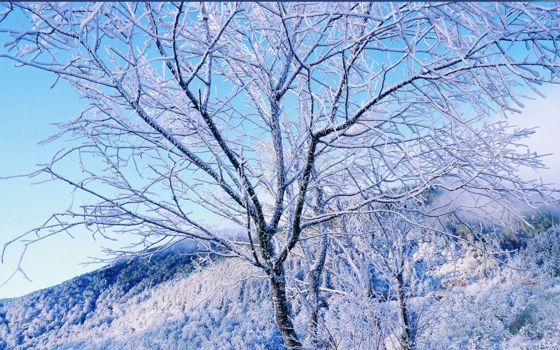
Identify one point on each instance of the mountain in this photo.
(175, 300)
(183, 300)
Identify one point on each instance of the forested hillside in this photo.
(179, 301)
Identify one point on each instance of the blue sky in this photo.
(28, 109)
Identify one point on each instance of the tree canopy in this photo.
(281, 118)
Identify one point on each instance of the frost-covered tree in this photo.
(280, 117)
(372, 271)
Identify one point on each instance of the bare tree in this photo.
(371, 264)
(278, 117)
(383, 249)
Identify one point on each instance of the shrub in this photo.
(526, 317)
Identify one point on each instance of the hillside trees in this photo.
(374, 271)
(281, 117)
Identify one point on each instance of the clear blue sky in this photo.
(28, 107)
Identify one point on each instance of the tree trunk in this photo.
(282, 310)
(405, 335)
(315, 272)
(313, 294)
(313, 308)
(377, 335)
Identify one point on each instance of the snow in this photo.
(217, 306)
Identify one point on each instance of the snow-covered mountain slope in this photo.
(159, 304)
(177, 301)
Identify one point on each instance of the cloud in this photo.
(544, 114)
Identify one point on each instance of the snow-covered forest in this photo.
(180, 301)
(346, 172)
